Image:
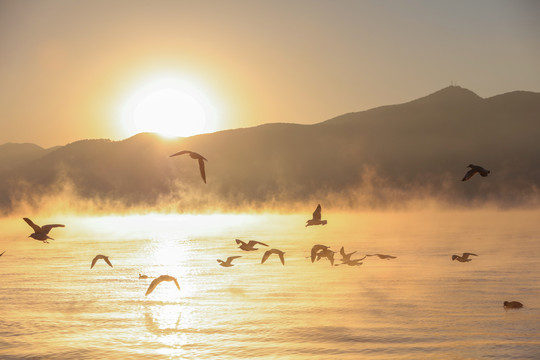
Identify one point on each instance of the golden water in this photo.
(421, 305)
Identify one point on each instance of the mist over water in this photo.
(419, 305)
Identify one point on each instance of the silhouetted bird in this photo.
(382, 256)
(273, 251)
(463, 258)
(97, 257)
(250, 245)
(141, 276)
(316, 220)
(344, 256)
(316, 249)
(198, 157)
(160, 279)
(227, 263)
(327, 253)
(40, 232)
(512, 305)
(475, 169)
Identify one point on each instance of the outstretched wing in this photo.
(46, 228)
(317, 213)
(181, 153)
(282, 257)
(94, 261)
(469, 174)
(266, 256)
(201, 168)
(176, 283)
(36, 228)
(231, 258)
(153, 285)
(3, 253)
(253, 243)
(466, 255)
(107, 261)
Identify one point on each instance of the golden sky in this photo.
(70, 70)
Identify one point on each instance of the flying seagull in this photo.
(97, 257)
(475, 169)
(159, 279)
(316, 220)
(273, 251)
(196, 156)
(463, 258)
(345, 258)
(512, 305)
(40, 232)
(250, 245)
(327, 253)
(227, 263)
(316, 249)
(382, 256)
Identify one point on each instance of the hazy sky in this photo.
(68, 68)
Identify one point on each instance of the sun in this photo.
(168, 105)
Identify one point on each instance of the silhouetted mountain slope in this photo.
(371, 158)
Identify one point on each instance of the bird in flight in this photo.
(345, 258)
(475, 169)
(160, 279)
(316, 220)
(97, 257)
(463, 258)
(227, 263)
(273, 251)
(327, 253)
(250, 246)
(382, 256)
(316, 249)
(40, 232)
(196, 156)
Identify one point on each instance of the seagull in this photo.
(159, 279)
(273, 251)
(250, 245)
(382, 256)
(227, 263)
(105, 258)
(475, 169)
(196, 156)
(316, 220)
(316, 249)
(327, 253)
(512, 305)
(143, 276)
(40, 232)
(345, 257)
(463, 258)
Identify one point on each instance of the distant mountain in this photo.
(387, 156)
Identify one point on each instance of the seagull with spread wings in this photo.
(160, 279)
(195, 156)
(316, 219)
(273, 251)
(463, 258)
(249, 246)
(227, 263)
(97, 257)
(41, 232)
(474, 170)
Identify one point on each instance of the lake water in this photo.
(421, 305)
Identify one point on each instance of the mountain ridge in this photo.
(373, 158)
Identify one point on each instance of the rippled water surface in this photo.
(421, 305)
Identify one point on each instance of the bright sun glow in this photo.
(169, 105)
